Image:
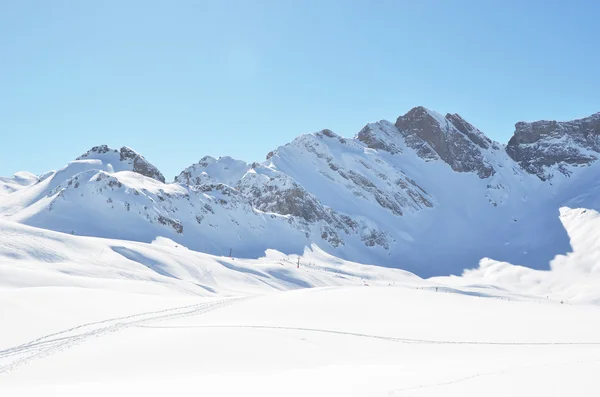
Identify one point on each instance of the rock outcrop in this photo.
(449, 138)
(125, 159)
(210, 170)
(542, 147)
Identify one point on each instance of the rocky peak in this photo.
(330, 134)
(123, 159)
(273, 191)
(380, 136)
(193, 175)
(469, 131)
(448, 138)
(224, 170)
(102, 149)
(542, 145)
(140, 164)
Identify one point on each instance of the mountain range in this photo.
(430, 193)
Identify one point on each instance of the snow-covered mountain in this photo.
(428, 193)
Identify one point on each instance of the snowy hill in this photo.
(91, 316)
(429, 193)
(18, 181)
(33, 257)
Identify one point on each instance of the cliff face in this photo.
(546, 147)
(449, 138)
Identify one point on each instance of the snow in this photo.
(36, 257)
(222, 170)
(115, 283)
(468, 214)
(360, 341)
(95, 317)
(18, 181)
(441, 120)
(573, 277)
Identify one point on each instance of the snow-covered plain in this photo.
(90, 316)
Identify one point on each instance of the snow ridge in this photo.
(428, 193)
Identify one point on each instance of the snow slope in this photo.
(91, 316)
(574, 277)
(32, 257)
(17, 182)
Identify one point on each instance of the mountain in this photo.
(125, 159)
(546, 147)
(448, 138)
(429, 193)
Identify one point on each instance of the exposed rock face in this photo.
(123, 159)
(191, 176)
(449, 138)
(540, 145)
(102, 149)
(471, 132)
(140, 164)
(333, 166)
(272, 191)
(273, 196)
(380, 136)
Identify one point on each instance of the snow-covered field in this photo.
(90, 316)
(366, 341)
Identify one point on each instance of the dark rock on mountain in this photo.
(468, 130)
(125, 158)
(140, 164)
(449, 138)
(542, 144)
(379, 138)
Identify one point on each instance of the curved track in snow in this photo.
(49, 344)
(388, 338)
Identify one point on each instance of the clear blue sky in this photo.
(177, 80)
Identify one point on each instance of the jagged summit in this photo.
(434, 137)
(449, 138)
(543, 147)
(124, 159)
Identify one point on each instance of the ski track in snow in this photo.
(387, 338)
(47, 345)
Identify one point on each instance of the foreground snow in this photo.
(97, 317)
(333, 341)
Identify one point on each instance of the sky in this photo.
(177, 80)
